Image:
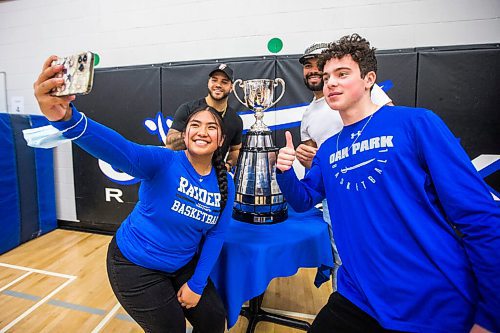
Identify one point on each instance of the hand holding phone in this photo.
(78, 74)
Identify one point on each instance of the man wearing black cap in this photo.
(220, 85)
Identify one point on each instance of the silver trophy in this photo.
(259, 95)
(258, 197)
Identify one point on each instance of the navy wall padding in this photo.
(400, 67)
(461, 86)
(44, 163)
(9, 199)
(459, 83)
(26, 179)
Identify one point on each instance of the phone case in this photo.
(78, 74)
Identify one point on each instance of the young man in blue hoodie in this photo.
(417, 229)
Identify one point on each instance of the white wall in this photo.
(126, 32)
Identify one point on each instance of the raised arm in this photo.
(98, 140)
(53, 108)
(304, 194)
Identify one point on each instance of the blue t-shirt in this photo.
(176, 207)
(398, 186)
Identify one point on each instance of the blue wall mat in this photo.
(9, 198)
(44, 163)
(27, 195)
(26, 179)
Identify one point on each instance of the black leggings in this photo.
(339, 315)
(150, 297)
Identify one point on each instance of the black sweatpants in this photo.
(150, 297)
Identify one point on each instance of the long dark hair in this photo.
(217, 158)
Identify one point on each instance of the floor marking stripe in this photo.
(124, 316)
(76, 307)
(15, 281)
(22, 295)
(108, 317)
(66, 276)
(38, 304)
(56, 302)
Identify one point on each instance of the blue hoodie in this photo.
(399, 187)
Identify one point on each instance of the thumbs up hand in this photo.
(286, 155)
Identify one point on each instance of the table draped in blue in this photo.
(253, 255)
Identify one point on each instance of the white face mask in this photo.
(49, 136)
(44, 137)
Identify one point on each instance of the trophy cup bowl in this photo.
(258, 197)
(258, 96)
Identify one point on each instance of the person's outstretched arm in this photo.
(304, 194)
(98, 140)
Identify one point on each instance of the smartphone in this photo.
(78, 74)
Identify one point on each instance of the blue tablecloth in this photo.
(253, 255)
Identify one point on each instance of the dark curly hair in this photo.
(217, 158)
(355, 46)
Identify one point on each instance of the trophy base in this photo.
(259, 218)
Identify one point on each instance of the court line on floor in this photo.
(126, 317)
(15, 281)
(34, 270)
(76, 307)
(113, 311)
(107, 318)
(66, 305)
(18, 294)
(70, 278)
(38, 304)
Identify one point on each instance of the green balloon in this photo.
(96, 59)
(274, 45)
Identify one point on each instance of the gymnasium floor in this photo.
(58, 283)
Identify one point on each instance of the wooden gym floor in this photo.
(58, 283)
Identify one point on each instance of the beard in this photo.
(313, 87)
(224, 95)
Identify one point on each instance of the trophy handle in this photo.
(276, 82)
(239, 83)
